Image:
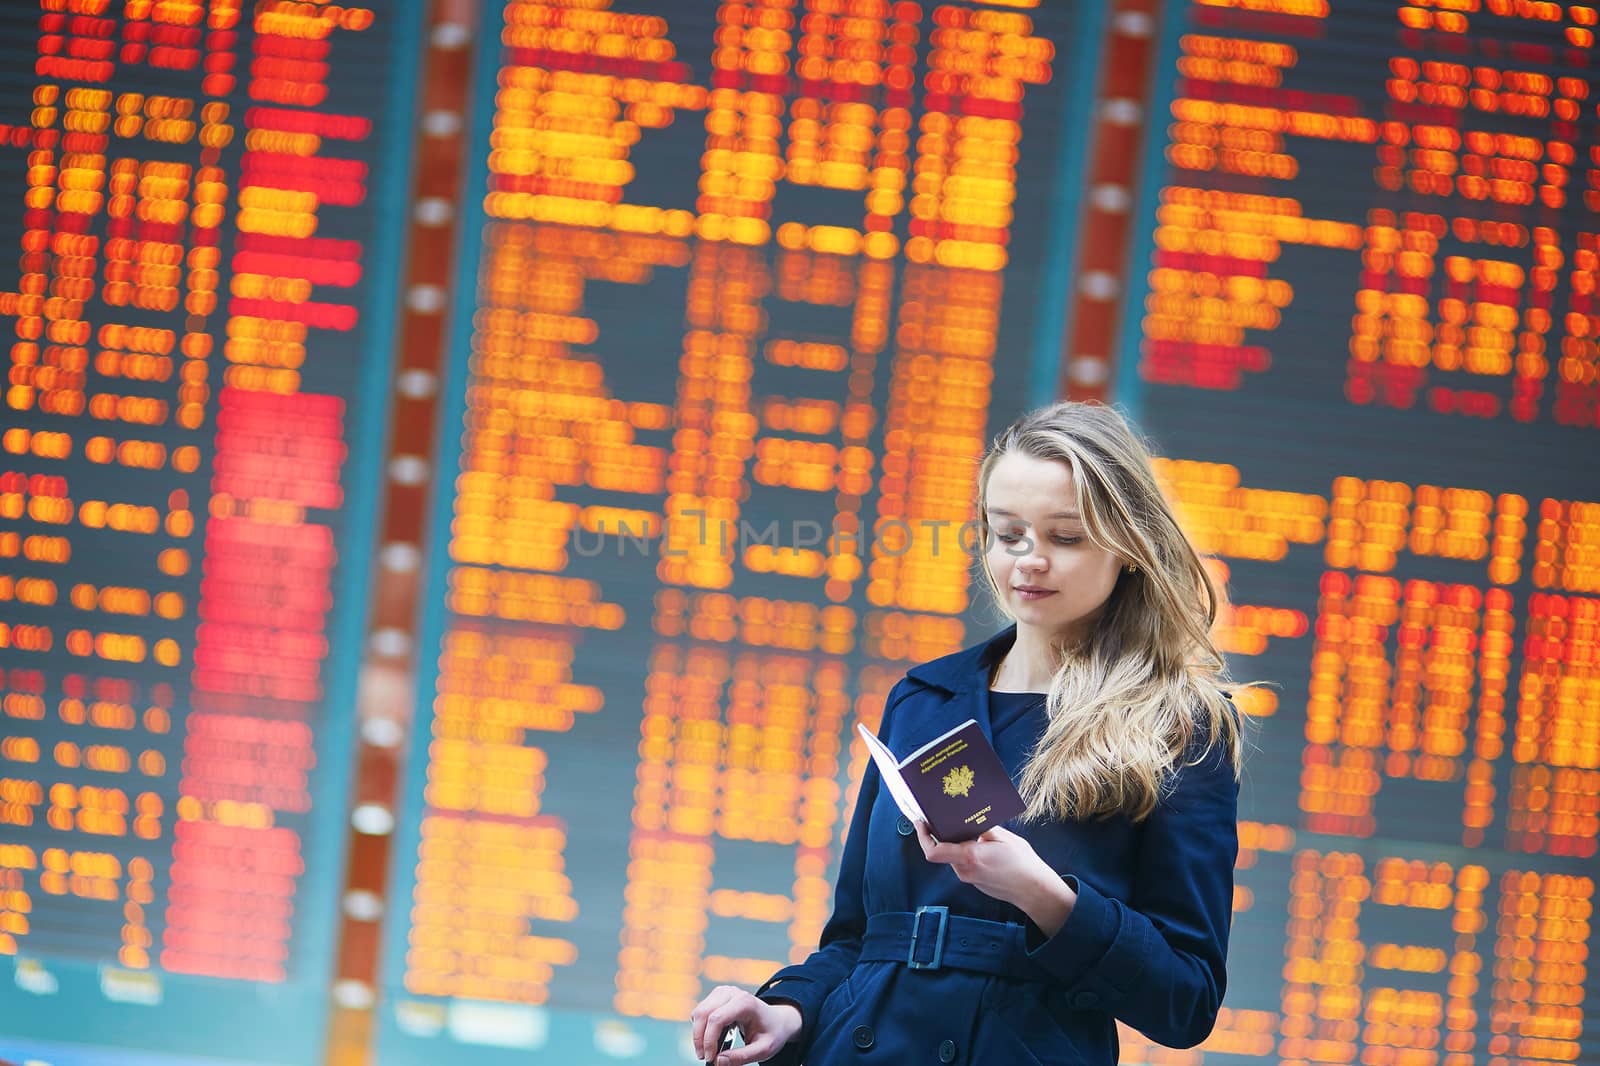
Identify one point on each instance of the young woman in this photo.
(1110, 899)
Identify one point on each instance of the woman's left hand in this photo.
(1003, 865)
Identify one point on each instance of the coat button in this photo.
(947, 1051)
(1085, 1000)
(904, 827)
(862, 1037)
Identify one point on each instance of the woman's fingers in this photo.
(719, 1020)
(936, 851)
(763, 1047)
(970, 859)
(766, 1027)
(705, 1036)
(697, 1018)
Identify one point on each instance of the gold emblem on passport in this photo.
(958, 782)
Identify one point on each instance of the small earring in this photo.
(1133, 568)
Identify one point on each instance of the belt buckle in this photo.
(943, 914)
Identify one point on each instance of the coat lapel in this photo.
(979, 700)
(940, 712)
(964, 680)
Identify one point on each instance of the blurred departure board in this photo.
(1363, 326)
(749, 285)
(196, 297)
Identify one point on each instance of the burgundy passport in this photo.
(955, 782)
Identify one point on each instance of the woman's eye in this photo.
(1012, 538)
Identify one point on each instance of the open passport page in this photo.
(955, 782)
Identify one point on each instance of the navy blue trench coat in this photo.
(1146, 942)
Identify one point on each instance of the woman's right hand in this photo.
(766, 1026)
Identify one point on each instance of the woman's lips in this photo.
(1033, 594)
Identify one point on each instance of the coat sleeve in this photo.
(1158, 960)
(807, 984)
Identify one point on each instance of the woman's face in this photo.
(1049, 575)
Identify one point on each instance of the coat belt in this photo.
(931, 938)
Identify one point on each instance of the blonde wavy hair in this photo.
(1147, 692)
